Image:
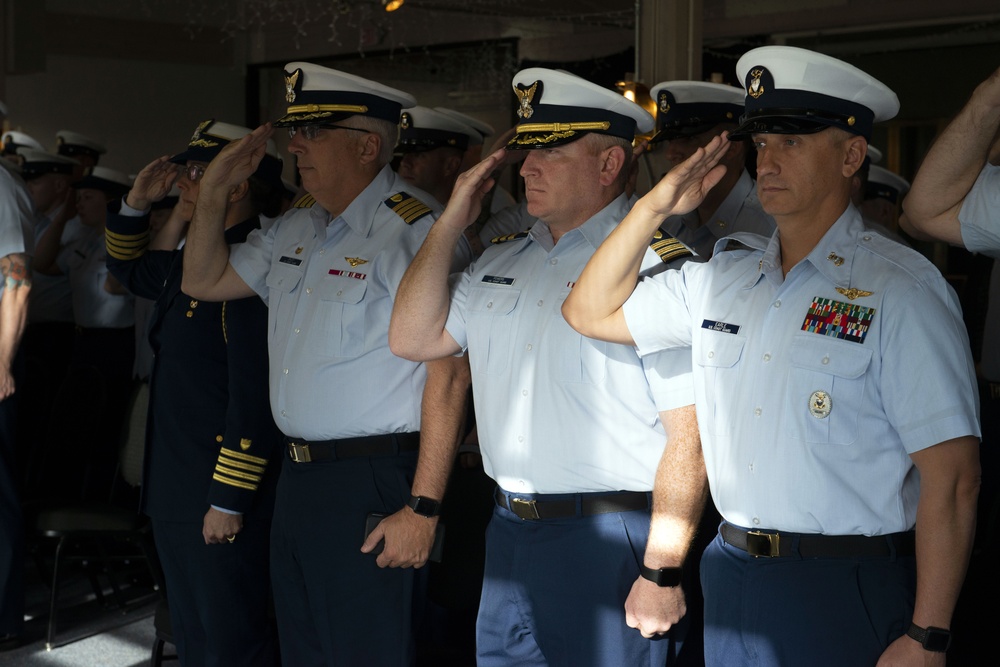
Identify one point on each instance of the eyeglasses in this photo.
(310, 132)
(194, 172)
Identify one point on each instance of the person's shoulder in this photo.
(892, 254)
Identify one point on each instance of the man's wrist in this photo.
(931, 638)
(426, 507)
(664, 577)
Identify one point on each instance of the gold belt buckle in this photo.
(299, 453)
(525, 508)
(763, 544)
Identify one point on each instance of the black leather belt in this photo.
(302, 451)
(774, 545)
(562, 506)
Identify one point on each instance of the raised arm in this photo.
(594, 306)
(207, 272)
(416, 331)
(952, 165)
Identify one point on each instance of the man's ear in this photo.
(856, 148)
(239, 192)
(371, 144)
(612, 163)
(453, 165)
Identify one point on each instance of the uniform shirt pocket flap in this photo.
(493, 301)
(283, 279)
(719, 350)
(343, 290)
(836, 360)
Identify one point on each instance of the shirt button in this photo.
(553, 261)
(767, 356)
(524, 392)
(521, 484)
(721, 224)
(826, 360)
(489, 305)
(282, 413)
(750, 467)
(340, 292)
(711, 355)
(777, 304)
(285, 371)
(540, 302)
(322, 252)
(756, 521)
(309, 290)
(866, 237)
(298, 330)
(756, 412)
(528, 347)
(520, 438)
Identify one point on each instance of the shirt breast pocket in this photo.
(826, 390)
(490, 327)
(339, 329)
(718, 355)
(580, 359)
(281, 282)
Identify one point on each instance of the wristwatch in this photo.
(931, 638)
(663, 577)
(424, 506)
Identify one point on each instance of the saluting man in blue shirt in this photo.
(834, 386)
(353, 413)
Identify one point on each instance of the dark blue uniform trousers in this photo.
(793, 611)
(554, 593)
(218, 595)
(335, 606)
(11, 528)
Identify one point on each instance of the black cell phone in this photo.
(372, 520)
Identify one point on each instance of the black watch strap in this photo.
(424, 506)
(931, 638)
(663, 577)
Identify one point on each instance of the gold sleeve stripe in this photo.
(126, 247)
(232, 453)
(222, 470)
(411, 209)
(670, 249)
(240, 465)
(233, 482)
(305, 201)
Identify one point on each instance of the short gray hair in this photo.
(386, 132)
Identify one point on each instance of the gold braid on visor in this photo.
(556, 131)
(313, 108)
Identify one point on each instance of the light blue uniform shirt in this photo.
(740, 211)
(980, 213)
(556, 412)
(810, 400)
(330, 286)
(93, 306)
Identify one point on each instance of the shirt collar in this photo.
(360, 213)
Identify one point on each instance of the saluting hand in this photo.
(238, 161)
(685, 186)
(470, 188)
(152, 184)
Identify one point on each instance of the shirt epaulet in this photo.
(509, 237)
(408, 207)
(668, 248)
(305, 201)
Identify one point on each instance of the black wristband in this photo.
(663, 577)
(931, 638)
(427, 507)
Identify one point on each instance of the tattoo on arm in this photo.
(16, 270)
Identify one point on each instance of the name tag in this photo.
(498, 280)
(284, 259)
(721, 327)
